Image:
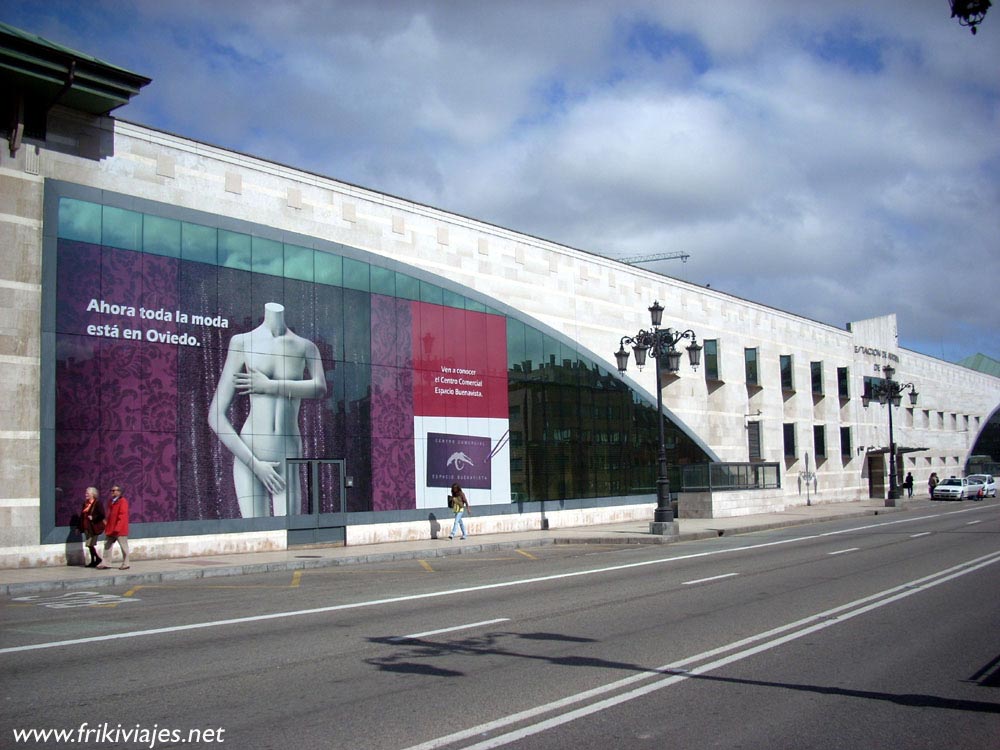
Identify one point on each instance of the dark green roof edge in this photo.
(34, 39)
(45, 73)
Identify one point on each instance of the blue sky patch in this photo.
(846, 48)
(658, 43)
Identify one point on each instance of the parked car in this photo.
(955, 488)
(987, 486)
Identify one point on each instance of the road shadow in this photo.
(910, 700)
(412, 654)
(989, 674)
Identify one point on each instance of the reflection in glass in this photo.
(161, 236)
(199, 243)
(121, 228)
(356, 275)
(234, 250)
(79, 220)
(298, 263)
(267, 256)
(329, 269)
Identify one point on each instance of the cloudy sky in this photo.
(837, 160)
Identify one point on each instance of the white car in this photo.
(987, 486)
(955, 488)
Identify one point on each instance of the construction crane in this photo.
(633, 259)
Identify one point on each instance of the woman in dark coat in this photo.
(92, 523)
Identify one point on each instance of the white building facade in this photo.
(96, 214)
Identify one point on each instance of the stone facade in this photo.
(588, 298)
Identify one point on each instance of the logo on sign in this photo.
(460, 461)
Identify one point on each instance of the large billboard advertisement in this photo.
(192, 384)
(461, 418)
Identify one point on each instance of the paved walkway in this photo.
(15, 582)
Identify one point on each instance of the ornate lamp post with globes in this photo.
(661, 345)
(890, 393)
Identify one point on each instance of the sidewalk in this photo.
(21, 581)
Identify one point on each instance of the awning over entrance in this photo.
(899, 449)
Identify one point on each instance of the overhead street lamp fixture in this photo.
(890, 393)
(970, 12)
(661, 345)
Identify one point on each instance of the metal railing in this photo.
(722, 477)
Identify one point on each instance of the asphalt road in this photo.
(877, 632)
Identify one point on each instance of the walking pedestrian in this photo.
(908, 484)
(116, 529)
(92, 523)
(932, 482)
(459, 504)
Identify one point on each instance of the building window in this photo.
(710, 357)
(753, 441)
(750, 358)
(819, 442)
(869, 387)
(843, 383)
(816, 369)
(846, 451)
(789, 431)
(787, 382)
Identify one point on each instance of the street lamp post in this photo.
(661, 345)
(889, 393)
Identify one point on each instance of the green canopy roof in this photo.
(36, 74)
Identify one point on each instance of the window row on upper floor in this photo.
(751, 372)
(932, 419)
(791, 441)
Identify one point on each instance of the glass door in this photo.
(323, 501)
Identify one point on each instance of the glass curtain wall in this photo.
(577, 430)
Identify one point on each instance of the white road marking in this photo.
(972, 523)
(712, 578)
(771, 639)
(844, 551)
(922, 533)
(450, 592)
(75, 599)
(426, 633)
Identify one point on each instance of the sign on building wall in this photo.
(191, 376)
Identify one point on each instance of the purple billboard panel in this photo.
(464, 459)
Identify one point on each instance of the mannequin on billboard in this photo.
(276, 368)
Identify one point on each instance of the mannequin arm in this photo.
(254, 381)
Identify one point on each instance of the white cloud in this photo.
(836, 160)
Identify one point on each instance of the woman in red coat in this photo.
(116, 528)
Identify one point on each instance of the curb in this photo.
(307, 562)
